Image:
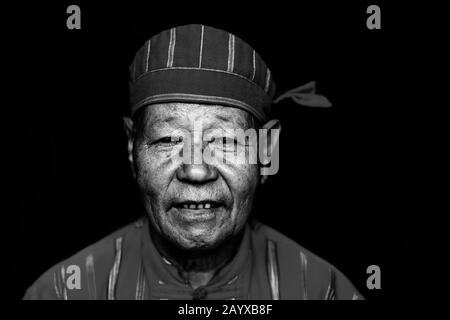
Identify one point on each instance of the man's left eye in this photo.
(229, 141)
(229, 144)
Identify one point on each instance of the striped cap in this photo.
(200, 64)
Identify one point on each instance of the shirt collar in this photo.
(231, 281)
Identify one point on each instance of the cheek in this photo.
(244, 177)
(152, 171)
(242, 181)
(145, 172)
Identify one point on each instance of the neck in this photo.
(197, 266)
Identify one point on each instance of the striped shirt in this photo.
(126, 265)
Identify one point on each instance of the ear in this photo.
(128, 126)
(269, 147)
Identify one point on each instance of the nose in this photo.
(197, 173)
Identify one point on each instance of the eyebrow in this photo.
(225, 119)
(168, 119)
(159, 119)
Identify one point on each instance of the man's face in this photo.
(194, 205)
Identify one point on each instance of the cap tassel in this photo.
(305, 95)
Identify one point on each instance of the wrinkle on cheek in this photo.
(155, 172)
(146, 177)
(241, 175)
(242, 180)
(156, 162)
(150, 183)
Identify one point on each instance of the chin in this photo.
(199, 238)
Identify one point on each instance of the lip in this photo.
(197, 214)
(193, 216)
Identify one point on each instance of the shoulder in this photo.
(286, 247)
(78, 270)
(320, 278)
(291, 253)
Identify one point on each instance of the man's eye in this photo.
(229, 141)
(225, 142)
(229, 144)
(168, 141)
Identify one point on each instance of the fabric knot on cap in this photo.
(201, 64)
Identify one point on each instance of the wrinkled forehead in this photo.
(189, 114)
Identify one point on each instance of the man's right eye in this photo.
(168, 141)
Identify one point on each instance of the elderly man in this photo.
(191, 89)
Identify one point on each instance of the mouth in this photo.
(198, 205)
(199, 211)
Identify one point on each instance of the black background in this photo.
(338, 189)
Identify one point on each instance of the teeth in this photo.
(197, 206)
